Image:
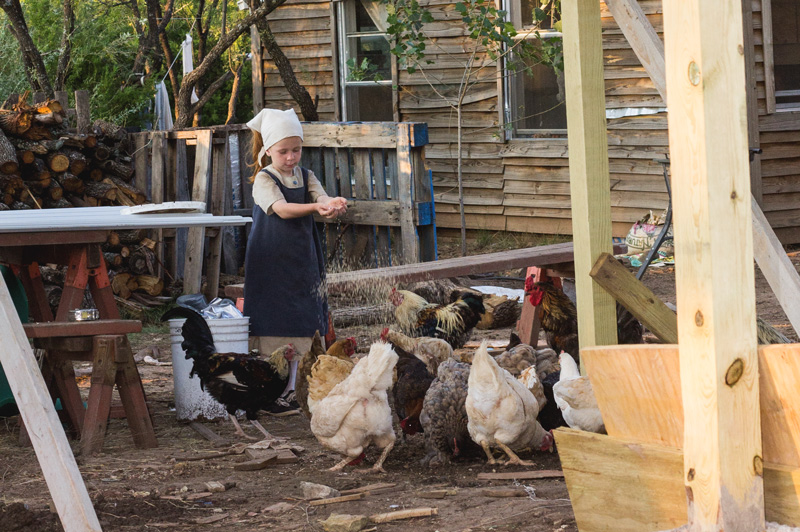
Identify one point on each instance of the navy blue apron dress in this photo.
(284, 269)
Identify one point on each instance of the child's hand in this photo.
(326, 210)
(339, 204)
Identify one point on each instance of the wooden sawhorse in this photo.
(105, 344)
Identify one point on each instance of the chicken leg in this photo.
(267, 435)
(239, 431)
(513, 459)
(378, 467)
(488, 451)
(339, 466)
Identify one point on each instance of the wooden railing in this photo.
(379, 167)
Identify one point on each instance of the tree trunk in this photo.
(184, 106)
(31, 57)
(297, 91)
(66, 45)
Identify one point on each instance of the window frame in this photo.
(512, 84)
(772, 93)
(345, 14)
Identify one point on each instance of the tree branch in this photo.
(32, 57)
(210, 90)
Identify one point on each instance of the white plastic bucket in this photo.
(191, 402)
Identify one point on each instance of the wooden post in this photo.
(158, 148)
(723, 464)
(44, 428)
(193, 267)
(219, 190)
(588, 166)
(82, 111)
(404, 179)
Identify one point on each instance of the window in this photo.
(786, 53)
(535, 97)
(365, 61)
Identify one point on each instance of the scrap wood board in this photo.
(609, 477)
(44, 428)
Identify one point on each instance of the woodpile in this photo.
(131, 256)
(43, 164)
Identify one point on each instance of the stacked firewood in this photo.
(43, 164)
(131, 257)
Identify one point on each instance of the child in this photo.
(284, 292)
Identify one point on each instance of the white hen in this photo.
(356, 412)
(575, 398)
(530, 379)
(502, 411)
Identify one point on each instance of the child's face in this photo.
(286, 153)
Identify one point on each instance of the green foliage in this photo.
(365, 71)
(487, 26)
(104, 46)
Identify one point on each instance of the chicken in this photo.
(326, 373)
(548, 370)
(342, 349)
(431, 351)
(560, 318)
(408, 392)
(444, 415)
(575, 398)
(356, 412)
(501, 411)
(240, 381)
(516, 357)
(530, 379)
(453, 323)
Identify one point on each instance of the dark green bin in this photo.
(7, 403)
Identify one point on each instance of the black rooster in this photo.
(238, 381)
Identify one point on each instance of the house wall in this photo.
(523, 185)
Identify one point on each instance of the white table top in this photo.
(106, 218)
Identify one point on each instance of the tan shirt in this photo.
(266, 192)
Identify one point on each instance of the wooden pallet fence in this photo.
(379, 167)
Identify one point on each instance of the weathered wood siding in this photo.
(304, 31)
(779, 136)
(523, 185)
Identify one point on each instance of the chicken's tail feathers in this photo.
(197, 338)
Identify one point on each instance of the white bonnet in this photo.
(275, 125)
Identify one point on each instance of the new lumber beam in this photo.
(714, 271)
(44, 428)
(588, 166)
(632, 294)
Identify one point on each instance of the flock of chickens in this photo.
(461, 401)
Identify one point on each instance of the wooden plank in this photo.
(58, 464)
(522, 475)
(776, 267)
(632, 294)
(609, 477)
(140, 162)
(219, 191)
(408, 236)
(752, 98)
(649, 407)
(769, 55)
(642, 38)
(716, 305)
(588, 166)
(379, 212)
(193, 267)
(541, 256)
(353, 135)
(81, 328)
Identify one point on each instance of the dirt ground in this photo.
(164, 488)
